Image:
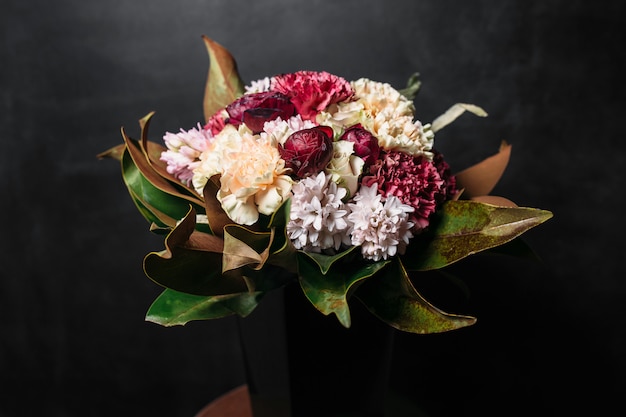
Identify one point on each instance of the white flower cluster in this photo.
(381, 229)
(318, 215)
(321, 222)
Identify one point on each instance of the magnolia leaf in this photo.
(192, 263)
(159, 221)
(268, 278)
(462, 228)
(148, 171)
(173, 308)
(329, 292)
(494, 200)
(453, 113)
(216, 216)
(282, 250)
(245, 247)
(412, 86)
(161, 205)
(152, 152)
(480, 179)
(115, 152)
(223, 84)
(391, 296)
(325, 262)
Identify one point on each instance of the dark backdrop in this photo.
(73, 341)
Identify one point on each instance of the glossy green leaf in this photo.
(141, 159)
(330, 292)
(391, 296)
(462, 228)
(173, 308)
(325, 262)
(154, 204)
(223, 84)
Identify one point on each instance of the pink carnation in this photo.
(311, 91)
(217, 122)
(414, 180)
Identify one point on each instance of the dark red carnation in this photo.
(412, 179)
(308, 151)
(365, 144)
(446, 175)
(257, 108)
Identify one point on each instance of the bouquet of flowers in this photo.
(311, 178)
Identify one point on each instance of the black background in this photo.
(550, 337)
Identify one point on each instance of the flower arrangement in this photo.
(311, 178)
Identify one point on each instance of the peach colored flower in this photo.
(251, 174)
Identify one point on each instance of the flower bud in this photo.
(255, 109)
(365, 144)
(308, 151)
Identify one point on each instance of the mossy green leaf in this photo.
(391, 296)
(462, 228)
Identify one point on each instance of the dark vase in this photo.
(300, 363)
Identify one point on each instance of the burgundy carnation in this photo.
(365, 144)
(311, 91)
(413, 179)
(257, 108)
(308, 151)
(446, 175)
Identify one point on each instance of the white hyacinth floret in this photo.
(318, 220)
(382, 229)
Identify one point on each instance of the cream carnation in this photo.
(387, 114)
(277, 131)
(251, 173)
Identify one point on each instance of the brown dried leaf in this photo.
(216, 215)
(480, 179)
(223, 84)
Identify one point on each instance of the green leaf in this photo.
(329, 292)
(325, 262)
(173, 308)
(462, 228)
(223, 84)
(412, 86)
(165, 207)
(391, 296)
